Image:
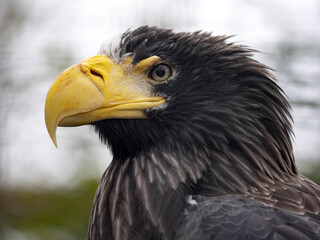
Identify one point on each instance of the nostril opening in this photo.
(95, 73)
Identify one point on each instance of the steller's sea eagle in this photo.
(201, 140)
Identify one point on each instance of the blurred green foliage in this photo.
(48, 213)
(314, 172)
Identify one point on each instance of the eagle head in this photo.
(151, 87)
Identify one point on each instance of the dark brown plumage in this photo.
(224, 139)
(214, 162)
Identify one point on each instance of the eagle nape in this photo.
(200, 134)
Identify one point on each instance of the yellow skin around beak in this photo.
(98, 89)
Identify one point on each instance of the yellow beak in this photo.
(94, 90)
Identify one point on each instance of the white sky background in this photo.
(77, 28)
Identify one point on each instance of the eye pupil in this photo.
(160, 72)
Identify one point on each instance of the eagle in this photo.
(201, 137)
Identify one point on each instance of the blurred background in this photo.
(46, 193)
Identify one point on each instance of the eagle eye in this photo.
(160, 72)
